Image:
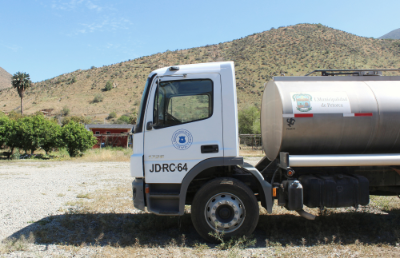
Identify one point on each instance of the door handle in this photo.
(209, 148)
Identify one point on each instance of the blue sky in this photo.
(46, 38)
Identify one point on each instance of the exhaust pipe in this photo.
(306, 215)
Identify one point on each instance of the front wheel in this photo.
(224, 205)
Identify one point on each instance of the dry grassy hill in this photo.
(293, 50)
(5, 79)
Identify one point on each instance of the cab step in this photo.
(163, 199)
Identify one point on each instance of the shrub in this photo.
(65, 111)
(112, 115)
(13, 115)
(109, 86)
(76, 119)
(125, 119)
(98, 98)
(76, 138)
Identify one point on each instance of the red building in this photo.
(114, 135)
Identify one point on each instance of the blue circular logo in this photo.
(182, 139)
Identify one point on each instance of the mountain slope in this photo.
(293, 50)
(394, 34)
(5, 79)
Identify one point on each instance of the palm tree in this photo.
(21, 81)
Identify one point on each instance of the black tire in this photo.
(229, 198)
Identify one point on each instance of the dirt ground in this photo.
(84, 209)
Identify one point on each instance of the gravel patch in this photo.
(31, 191)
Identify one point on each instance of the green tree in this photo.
(12, 135)
(6, 126)
(249, 120)
(21, 81)
(76, 138)
(30, 130)
(51, 136)
(30, 133)
(257, 125)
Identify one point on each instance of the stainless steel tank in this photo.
(331, 115)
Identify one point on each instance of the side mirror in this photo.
(149, 126)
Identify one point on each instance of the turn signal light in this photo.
(147, 190)
(274, 192)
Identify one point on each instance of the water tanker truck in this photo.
(329, 141)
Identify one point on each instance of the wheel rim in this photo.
(225, 212)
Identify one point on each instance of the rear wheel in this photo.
(224, 205)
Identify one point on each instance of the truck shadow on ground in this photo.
(112, 229)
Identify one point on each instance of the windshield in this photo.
(139, 124)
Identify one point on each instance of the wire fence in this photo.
(250, 142)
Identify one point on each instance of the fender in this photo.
(218, 162)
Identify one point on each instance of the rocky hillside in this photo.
(5, 79)
(394, 34)
(293, 50)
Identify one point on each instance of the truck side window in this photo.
(183, 101)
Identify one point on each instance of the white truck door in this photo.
(187, 126)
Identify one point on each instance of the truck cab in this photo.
(186, 134)
(188, 114)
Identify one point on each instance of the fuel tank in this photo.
(331, 115)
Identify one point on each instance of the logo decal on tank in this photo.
(303, 102)
(290, 122)
(182, 139)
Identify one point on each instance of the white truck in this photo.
(330, 141)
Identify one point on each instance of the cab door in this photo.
(183, 126)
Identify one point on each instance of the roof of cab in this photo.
(192, 68)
